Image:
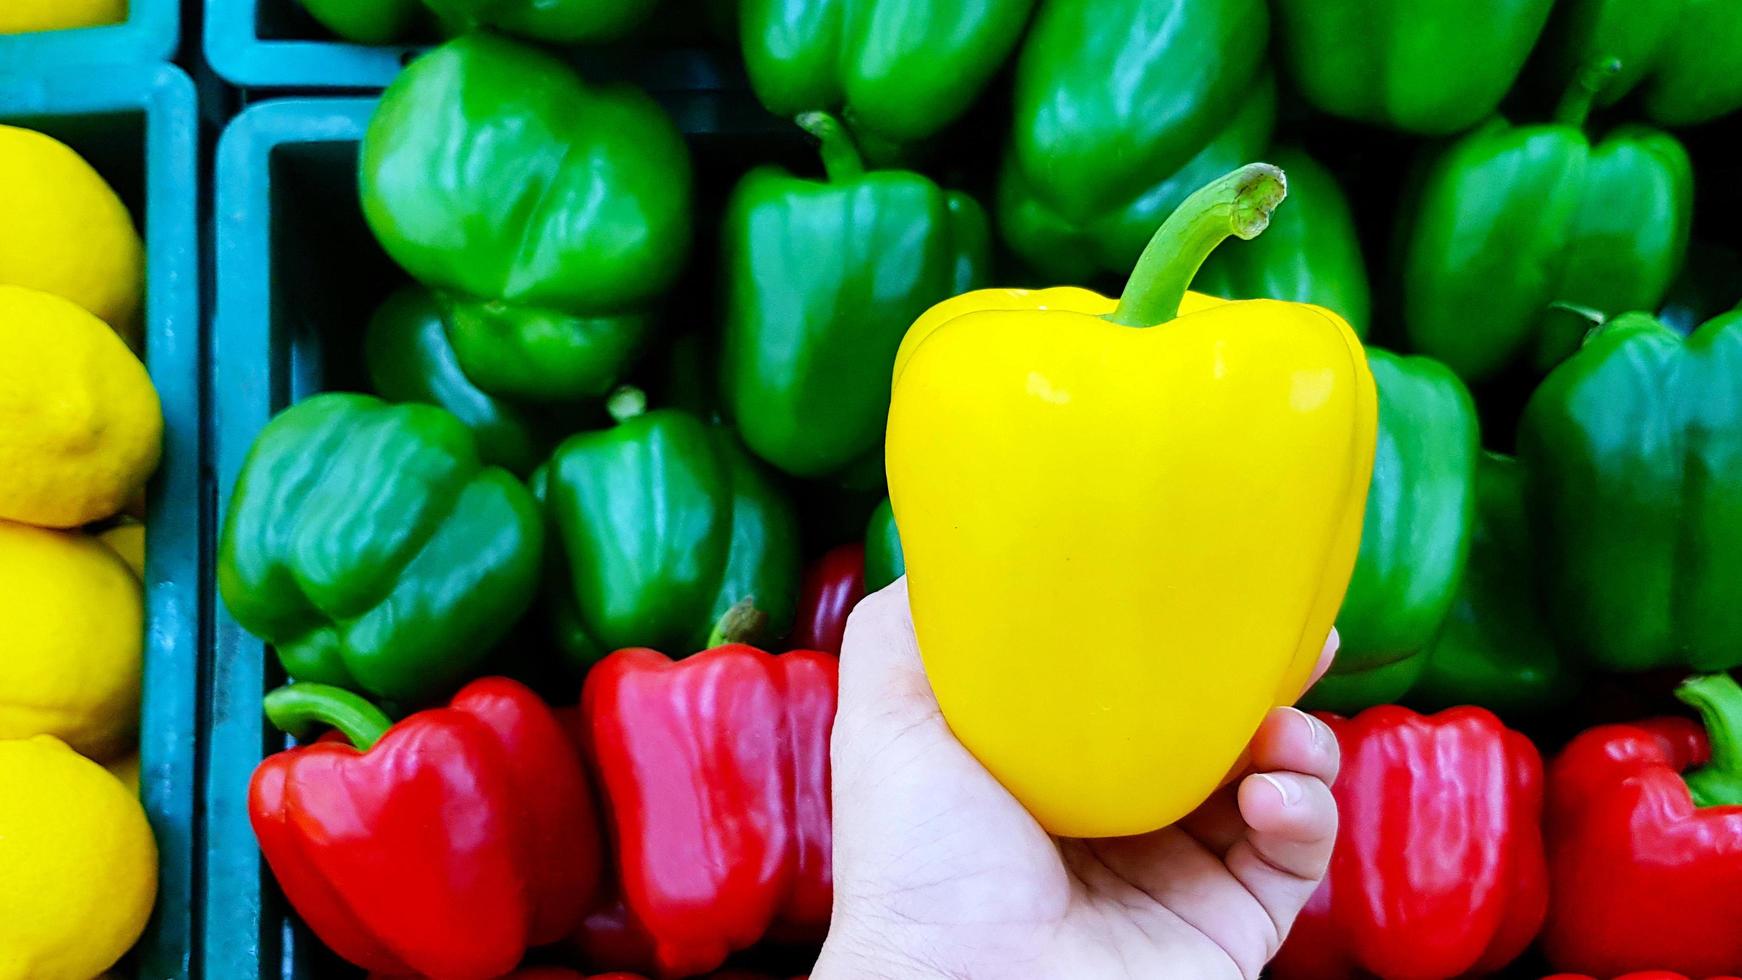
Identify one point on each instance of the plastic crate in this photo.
(137, 126)
(150, 33)
(297, 277)
(275, 44)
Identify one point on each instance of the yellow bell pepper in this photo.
(1124, 546)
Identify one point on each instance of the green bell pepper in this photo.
(551, 238)
(1309, 253)
(1424, 66)
(895, 71)
(409, 358)
(368, 21)
(1684, 57)
(667, 526)
(1122, 108)
(1415, 534)
(822, 281)
(554, 21)
(1632, 456)
(1495, 648)
(374, 550)
(883, 560)
(1512, 222)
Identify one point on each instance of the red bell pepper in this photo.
(609, 938)
(715, 771)
(833, 585)
(1645, 850)
(441, 846)
(1641, 975)
(1438, 868)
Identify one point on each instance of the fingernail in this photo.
(1321, 731)
(1285, 788)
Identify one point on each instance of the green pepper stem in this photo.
(297, 708)
(1582, 94)
(841, 157)
(1237, 204)
(626, 403)
(743, 623)
(1718, 699)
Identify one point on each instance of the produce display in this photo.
(1151, 341)
(80, 432)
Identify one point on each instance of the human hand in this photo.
(940, 872)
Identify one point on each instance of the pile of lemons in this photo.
(80, 432)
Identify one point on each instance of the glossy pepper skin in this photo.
(1008, 403)
(833, 585)
(1438, 870)
(1638, 810)
(1632, 456)
(367, 21)
(1637, 975)
(896, 71)
(374, 550)
(409, 359)
(822, 279)
(883, 561)
(1495, 648)
(715, 771)
(1309, 254)
(1511, 220)
(1432, 67)
(1122, 109)
(1415, 535)
(665, 525)
(554, 21)
(1683, 57)
(551, 239)
(442, 846)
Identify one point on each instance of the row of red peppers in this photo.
(450, 843)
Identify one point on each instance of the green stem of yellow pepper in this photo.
(297, 708)
(1238, 204)
(1582, 94)
(841, 157)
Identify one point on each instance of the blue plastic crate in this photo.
(275, 44)
(137, 125)
(150, 33)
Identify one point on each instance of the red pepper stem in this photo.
(299, 708)
(1718, 699)
(1580, 96)
(841, 157)
(743, 623)
(626, 403)
(1237, 204)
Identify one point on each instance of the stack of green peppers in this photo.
(1122, 108)
(559, 21)
(1519, 233)
(549, 242)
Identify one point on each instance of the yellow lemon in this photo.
(25, 16)
(65, 232)
(70, 641)
(78, 866)
(127, 539)
(80, 425)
